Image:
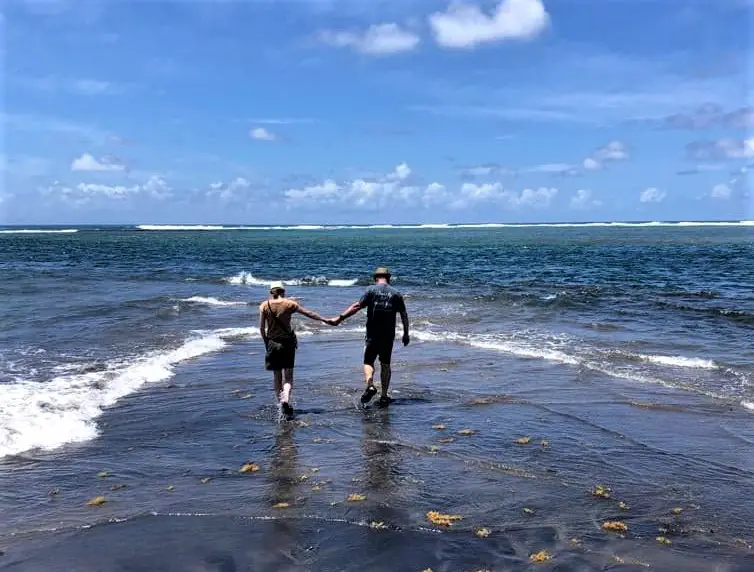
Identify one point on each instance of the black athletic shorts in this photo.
(382, 348)
(280, 355)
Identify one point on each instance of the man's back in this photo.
(383, 302)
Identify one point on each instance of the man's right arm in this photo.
(355, 307)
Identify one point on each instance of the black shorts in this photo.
(280, 355)
(382, 348)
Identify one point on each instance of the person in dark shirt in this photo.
(382, 302)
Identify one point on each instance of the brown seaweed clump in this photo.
(441, 519)
(96, 501)
(541, 556)
(614, 526)
(602, 492)
(249, 468)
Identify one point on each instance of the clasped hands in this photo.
(333, 321)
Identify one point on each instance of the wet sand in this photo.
(682, 464)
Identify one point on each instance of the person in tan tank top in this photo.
(280, 341)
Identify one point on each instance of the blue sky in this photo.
(356, 111)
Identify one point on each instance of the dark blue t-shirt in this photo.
(383, 302)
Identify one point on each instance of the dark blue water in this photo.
(624, 354)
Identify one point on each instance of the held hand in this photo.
(406, 339)
(331, 321)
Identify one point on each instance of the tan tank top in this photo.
(283, 309)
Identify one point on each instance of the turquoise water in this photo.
(136, 352)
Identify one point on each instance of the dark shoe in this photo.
(384, 401)
(368, 394)
(287, 410)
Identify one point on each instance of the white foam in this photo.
(47, 415)
(748, 405)
(180, 227)
(248, 279)
(39, 231)
(520, 349)
(441, 226)
(342, 283)
(210, 301)
(680, 361)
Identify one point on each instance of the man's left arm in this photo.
(404, 319)
(355, 307)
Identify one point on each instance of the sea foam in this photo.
(47, 415)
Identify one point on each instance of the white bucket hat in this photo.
(277, 286)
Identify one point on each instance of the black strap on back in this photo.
(280, 323)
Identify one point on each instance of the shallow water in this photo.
(136, 354)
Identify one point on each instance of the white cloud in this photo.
(613, 151)
(155, 187)
(262, 134)
(378, 39)
(591, 164)
(726, 148)
(583, 199)
(227, 191)
(540, 197)
(397, 188)
(465, 25)
(652, 195)
(721, 191)
(401, 172)
(88, 162)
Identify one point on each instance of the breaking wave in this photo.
(248, 279)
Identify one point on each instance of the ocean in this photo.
(559, 377)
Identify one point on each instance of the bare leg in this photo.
(285, 395)
(369, 374)
(386, 373)
(278, 380)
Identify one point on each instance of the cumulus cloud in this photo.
(88, 163)
(402, 188)
(583, 199)
(227, 191)
(155, 187)
(613, 151)
(401, 173)
(464, 25)
(721, 191)
(263, 134)
(591, 164)
(727, 148)
(378, 39)
(709, 116)
(652, 195)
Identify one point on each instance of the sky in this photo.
(375, 111)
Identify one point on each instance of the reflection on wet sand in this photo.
(381, 456)
(283, 466)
